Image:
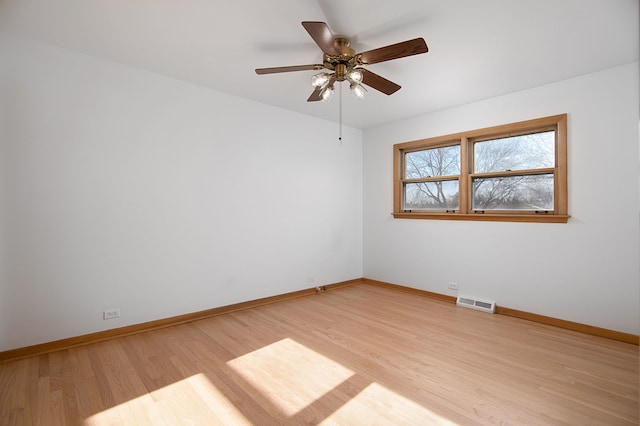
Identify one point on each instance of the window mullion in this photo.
(464, 182)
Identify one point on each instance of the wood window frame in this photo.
(465, 140)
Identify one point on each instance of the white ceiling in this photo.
(477, 48)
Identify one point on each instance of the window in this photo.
(516, 172)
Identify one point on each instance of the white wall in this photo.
(130, 190)
(586, 270)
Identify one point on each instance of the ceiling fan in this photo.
(344, 64)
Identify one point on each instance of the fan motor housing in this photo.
(344, 62)
(345, 48)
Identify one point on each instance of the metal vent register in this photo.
(478, 304)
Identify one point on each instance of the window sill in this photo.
(484, 217)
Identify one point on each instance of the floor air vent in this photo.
(473, 303)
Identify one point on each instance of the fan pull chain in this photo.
(340, 112)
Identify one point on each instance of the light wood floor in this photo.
(357, 355)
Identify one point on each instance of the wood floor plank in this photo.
(356, 355)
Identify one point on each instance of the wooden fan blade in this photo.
(321, 34)
(379, 83)
(394, 51)
(316, 95)
(289, 69)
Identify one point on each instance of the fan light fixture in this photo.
(319, 80)
(327, 93)
(358, 90)
(353, 76)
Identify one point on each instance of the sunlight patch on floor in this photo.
(298, 382)
(289, 374)
(379, 405)
(191, 401)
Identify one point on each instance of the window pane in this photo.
(440, 195)
(443, 161)
(533, 151)
(534, 192)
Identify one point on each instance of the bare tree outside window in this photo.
(435, 163)
(529, 192)
(531, 151)
(438, 195)
(514, 192)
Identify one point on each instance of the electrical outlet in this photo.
(452, 286)
(111, 313)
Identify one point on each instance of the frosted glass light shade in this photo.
(358, 90)
(319, 80)
(327, 93)
(355, 76)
